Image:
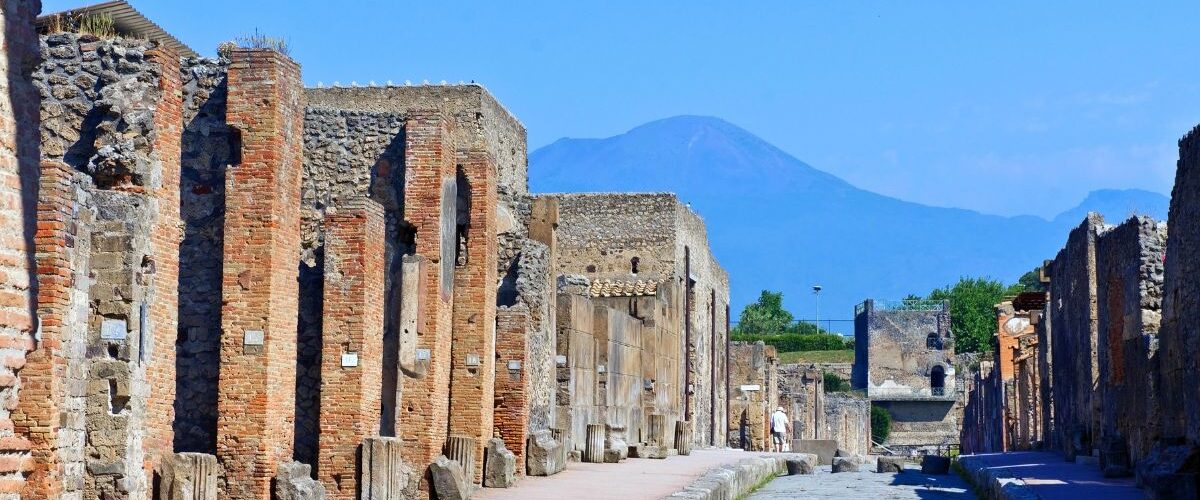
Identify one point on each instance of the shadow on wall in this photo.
(25, 107)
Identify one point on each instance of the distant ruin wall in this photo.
(1129, 266)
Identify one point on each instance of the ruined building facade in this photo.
(904, 359)
(219, 283)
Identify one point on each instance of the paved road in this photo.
(633, 479)
(1052, 477)
(910, 484)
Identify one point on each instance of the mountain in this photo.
(778, 223)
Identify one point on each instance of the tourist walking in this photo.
(779, 428)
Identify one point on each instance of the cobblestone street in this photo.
(866, 485)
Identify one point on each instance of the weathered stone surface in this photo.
(593, 450)
(542, 454)
(188, 476)
(384, 475)
(933, 464)
(824, 449)
(845, 464)
(499, 465)
(615, 444)
(449, 480)
(1170, 471)
(802, 463)
(295, 482)
(683, 437)
(889, 464)
(734, 480)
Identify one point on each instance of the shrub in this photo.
(834, 383)
(262, 41)
(881, 424)
(790, 342)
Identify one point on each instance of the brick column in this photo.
(351, 349)
(43, 377)
(429, 205)
(473, 367)
(166, 235)
(19, 154)
(512, 385)
(257, 386)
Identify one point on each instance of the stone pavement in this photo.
(1049, 476)
(867, 485)
(632, 479)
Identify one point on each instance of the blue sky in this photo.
(1007, 108)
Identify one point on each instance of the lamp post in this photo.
(817, 306)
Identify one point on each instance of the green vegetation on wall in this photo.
(881, 424)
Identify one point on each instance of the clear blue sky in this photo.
(1008, 108)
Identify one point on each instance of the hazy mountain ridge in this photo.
(776, 222)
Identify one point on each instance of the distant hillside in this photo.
(776, 222)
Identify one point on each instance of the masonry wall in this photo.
(802, 396)
(111, 109)
(1129, 271)
(511, 392)
(848, 421)
(208, 146)
(19, 207)
(1073, 311)
(1179, 335)
(753, 372)
(899, 360)
(982, 418)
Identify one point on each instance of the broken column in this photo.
(499, 465)
(256, 401)
(352, 334)
(384, 475)
(511, 412)
(188, 476)
(429, 207)
(473, 369)
(593, 450)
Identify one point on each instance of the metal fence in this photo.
(904, 305)
(843, 327)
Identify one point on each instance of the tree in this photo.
(766, 316)
(835, 383)
(1032, 281)
(972, 310)
(881, 424)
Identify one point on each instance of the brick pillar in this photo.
(351, 349)
(166, 234)
(429, 205)
(473, 368)
(19, 154)
(257, 386)
(43, 377)
(511, 409)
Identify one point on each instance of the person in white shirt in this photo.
(779, 428)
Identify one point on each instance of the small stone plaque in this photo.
(422, 354)
(253, 337)
(751, 387)
(472, 360)
(514, 365)
(560, 360)
(113, 329)
(349, 359)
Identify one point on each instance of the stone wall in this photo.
(1073, 312)
(982, 416)
(753, 373)
(903, 347)
(111, 109)
(802, 396)
(848, 421)
(209, 145)
(1129, 271)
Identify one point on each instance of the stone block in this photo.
(384, 474)
(461, 449)
(615, 441)
(824, 449)
(655, 451)
(933, 464)
(612, 456)
(889, 464)
(499, 465)
(449, 480)
(295, 482)
(801, 463)
(1170, 471)
(188, 476)
(845, 464)
(541, 454)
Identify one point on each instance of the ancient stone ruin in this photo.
(221, 284)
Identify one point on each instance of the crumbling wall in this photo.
(110, 109)
(900, 360)
(1073, 311)
(599, 235)
(982, 415)
(1129, 271)
(709, 336)
(848, 421)
(209, 145)
(752, 402)
(802, 396)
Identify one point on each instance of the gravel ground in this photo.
(868, 485)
